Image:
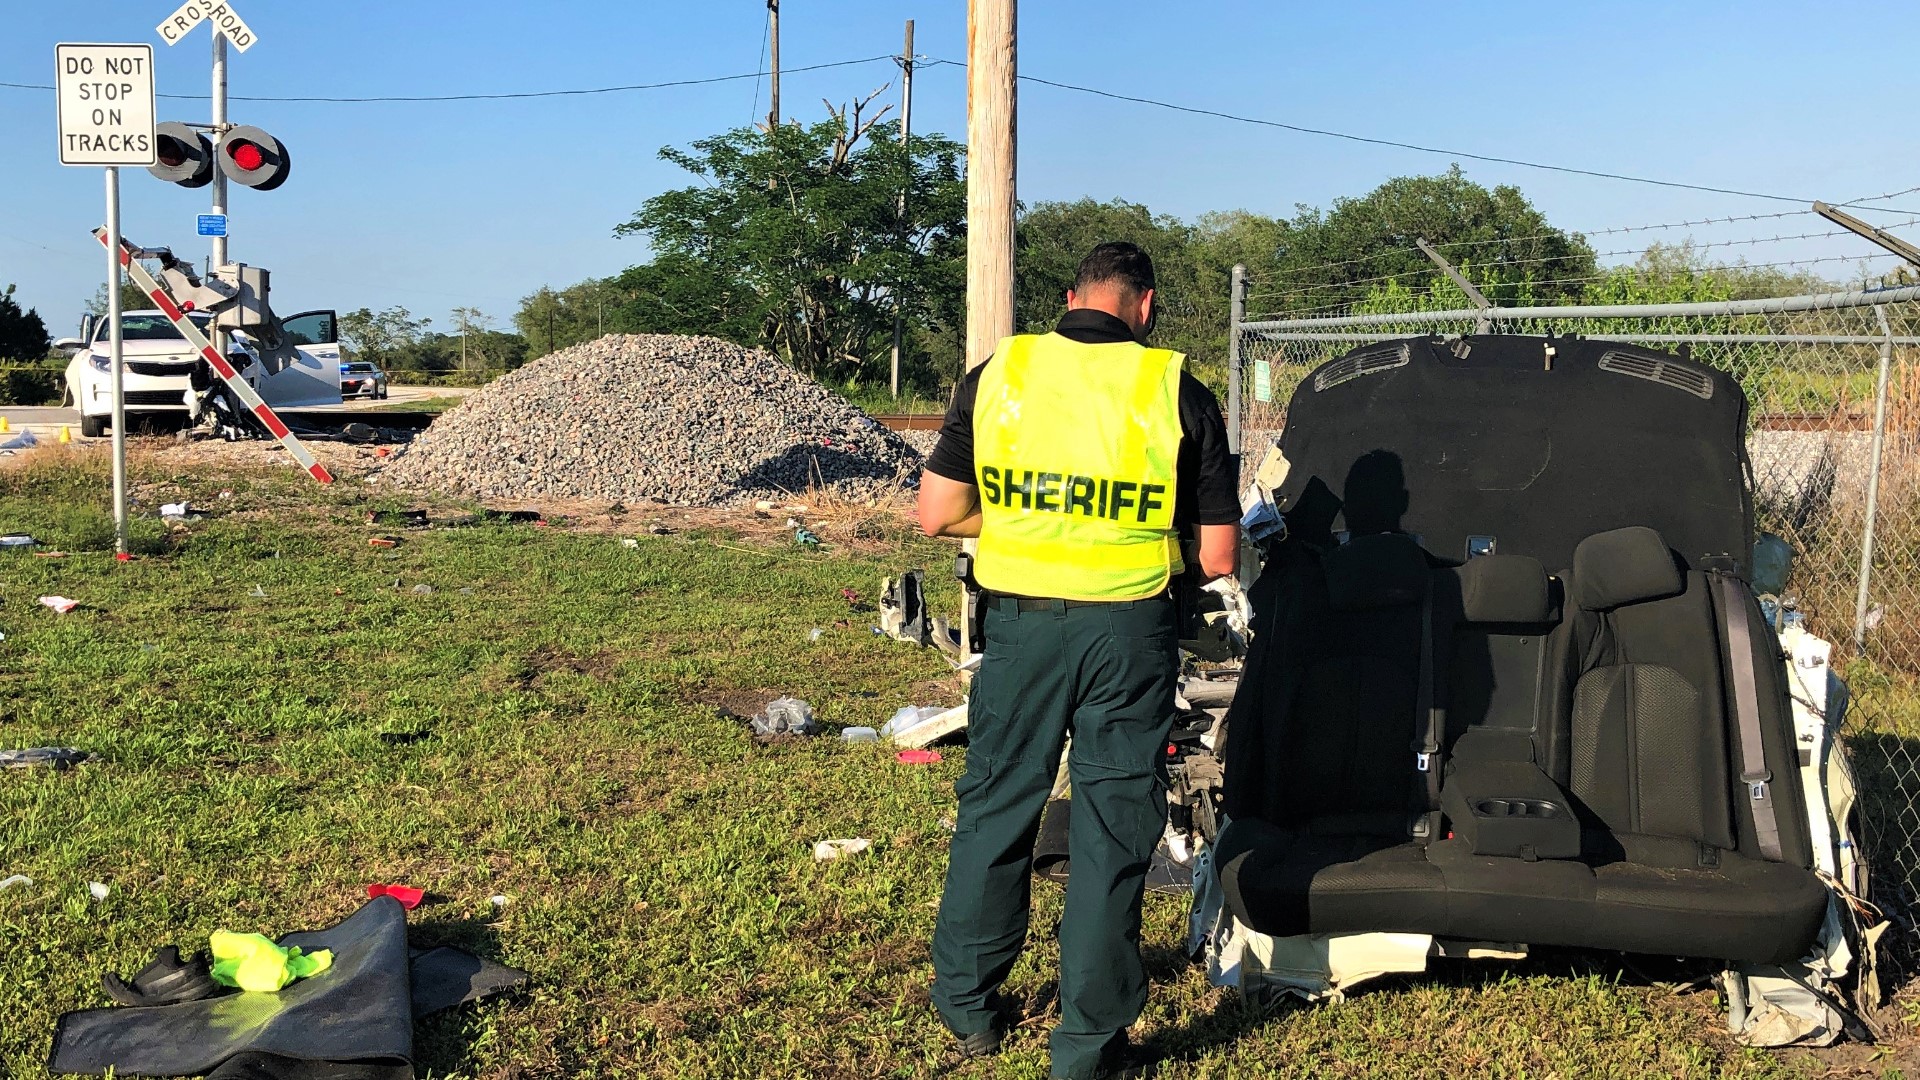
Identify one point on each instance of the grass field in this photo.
(549, 723)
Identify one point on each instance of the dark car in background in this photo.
(359, 378)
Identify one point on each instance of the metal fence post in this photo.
(1237, 314)
(1873, 479)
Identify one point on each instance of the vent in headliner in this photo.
(1663, 370)
(1371, 361)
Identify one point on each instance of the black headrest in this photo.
(1378, 571)
(1625, 566)
(1505, 589)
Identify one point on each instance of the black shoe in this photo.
(167, 980)
(1122, 1060)
(987, 1043)
(983, 1043)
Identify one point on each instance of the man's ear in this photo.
(1072, 300)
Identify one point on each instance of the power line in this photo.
(754, 118)
(1327, 133)
(936, 61)
(507, 96)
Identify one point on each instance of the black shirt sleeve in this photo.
(1209, 472)
(952, 456)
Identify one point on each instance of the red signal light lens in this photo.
(172, 153)
(246, 155)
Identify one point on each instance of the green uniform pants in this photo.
(1104, 673)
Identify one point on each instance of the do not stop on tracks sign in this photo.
(105, 104)
(104, 97)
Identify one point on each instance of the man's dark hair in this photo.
(1115, 263)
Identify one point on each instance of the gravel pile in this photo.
(922, 441)
(692, 421)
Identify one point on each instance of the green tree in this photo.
(131, 299)
(1333, 258)
(377, 336)
(23, 336)
(1052, 237)
(1193, 264)
(552, 319)
(793, 240)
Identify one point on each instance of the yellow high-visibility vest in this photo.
(1074, 451)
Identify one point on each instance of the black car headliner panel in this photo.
(1536, 454)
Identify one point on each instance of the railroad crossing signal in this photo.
(184, 156)
(245, 155)
(252, 158)
(225, 20)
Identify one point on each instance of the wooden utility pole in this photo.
(906, 130)
(990, 193)
(990, 175)
(773, 36)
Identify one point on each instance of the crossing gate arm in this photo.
(220, 364)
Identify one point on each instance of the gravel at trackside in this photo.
(921, 440)
(692, 421)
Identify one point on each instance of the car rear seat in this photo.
(1335, 843)
(1606, 725)
(1500, 620)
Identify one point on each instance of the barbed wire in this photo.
(1560, 233)
(1306, 288)
(1880, 198)
(1424, 276)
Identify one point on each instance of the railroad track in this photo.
(327, 421)
(911, 421)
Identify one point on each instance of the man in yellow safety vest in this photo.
(1079, 458)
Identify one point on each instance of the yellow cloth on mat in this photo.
(252, 962)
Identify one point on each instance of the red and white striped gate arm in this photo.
(221, 364)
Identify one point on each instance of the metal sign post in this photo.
(117, 342)
(106, 117)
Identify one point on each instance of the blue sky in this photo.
(434, 205)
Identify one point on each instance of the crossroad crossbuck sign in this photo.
(106, 104)
(225, 20)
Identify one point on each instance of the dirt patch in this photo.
(1896, 1057)
(547, 660)
(737, 704)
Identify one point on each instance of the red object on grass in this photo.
(917, 757)
(122, 556)
(408, 896)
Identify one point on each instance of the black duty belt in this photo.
(1034, 603)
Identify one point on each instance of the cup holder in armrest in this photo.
(1509, 809)
(1537, 809)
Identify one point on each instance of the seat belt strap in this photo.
(1429, 723)
(1746, 709)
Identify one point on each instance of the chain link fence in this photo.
(1833, 386)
